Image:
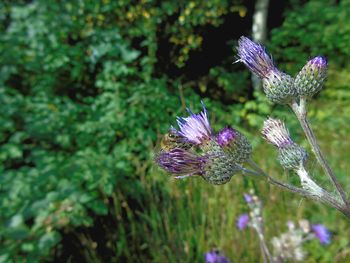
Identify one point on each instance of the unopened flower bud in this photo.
(235, 143)
(310, 79)
(290, 154)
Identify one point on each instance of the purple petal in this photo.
(196, 127)
(321, 233)
(248, 198)
(215, 257)
(254, 56)
(242, 221)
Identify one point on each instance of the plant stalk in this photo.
(301, 114)
(325, 198)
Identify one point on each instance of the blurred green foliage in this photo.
(86, 90)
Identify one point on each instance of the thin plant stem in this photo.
(265, 251)
(301, 114)
(326, 197)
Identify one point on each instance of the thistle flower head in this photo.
(276, 133)
(242, 221)
(290, 155)
(278, 86)
(196, 127)
(310, 79)
(321, 233)
(215, 166)
(215, 257)
(181, 162)
(254, 56)
(235, 143)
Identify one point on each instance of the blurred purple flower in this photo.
(196, 127)
(322, 233)
(215, 257)
(242, 221)
(248, 198)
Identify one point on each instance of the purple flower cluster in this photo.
(193, 149)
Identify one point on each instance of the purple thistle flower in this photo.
(254, 56)
(181, 162)
(277, 85)
(248, 198)
(215, 257)
(242, 221)
(321, 233)
(196, 127)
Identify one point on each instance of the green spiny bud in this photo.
(221, 166)
(279, 87)
(292, 156)
(310, 79)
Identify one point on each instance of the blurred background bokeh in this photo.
(87, 88)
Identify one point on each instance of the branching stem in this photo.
(326, 197)
(301, 113)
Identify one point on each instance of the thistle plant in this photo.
(194, 149)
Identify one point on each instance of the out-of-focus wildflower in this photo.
(215, 257)
(310, 79)
(288, 246)
(248, 198)
(242, 221)
(278, 86)
(291, 155)
(236, 143)
(196, 127)
(321, 233)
